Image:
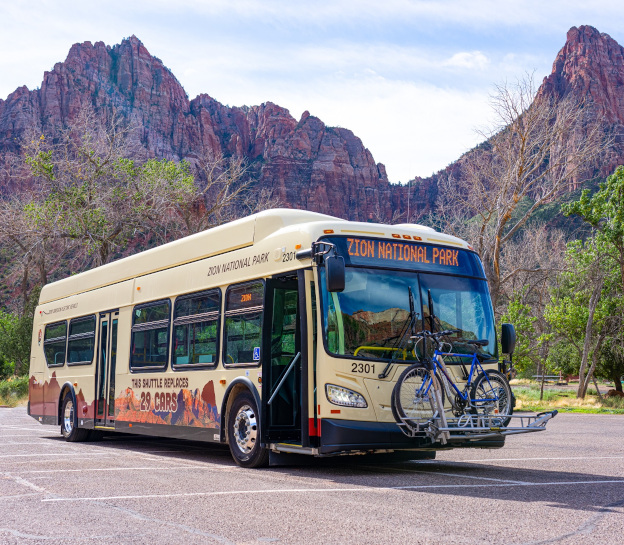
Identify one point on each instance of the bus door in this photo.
(282, 361)
(105, 373)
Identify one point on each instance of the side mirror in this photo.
(335, 273)
(508, 338)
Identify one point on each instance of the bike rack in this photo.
(475, 427)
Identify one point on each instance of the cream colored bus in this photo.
(276, 333)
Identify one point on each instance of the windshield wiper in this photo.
(405, 335)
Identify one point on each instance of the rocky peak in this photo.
(590, 66)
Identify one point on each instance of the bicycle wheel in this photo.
(413, 402)
(491, 395)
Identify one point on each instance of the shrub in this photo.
(13, 390)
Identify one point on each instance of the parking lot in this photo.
(564, 485)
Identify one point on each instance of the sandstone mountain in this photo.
(305, 163)
(590, 67)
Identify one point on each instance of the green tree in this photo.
(15, 339)
(526, 354)
(604, 211)
(586, 307)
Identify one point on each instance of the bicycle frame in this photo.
(475, 367)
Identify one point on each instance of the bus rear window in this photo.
(54, 344)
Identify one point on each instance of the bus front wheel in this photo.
(69, 422)
(244, 433)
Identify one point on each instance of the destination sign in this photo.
(407, 255)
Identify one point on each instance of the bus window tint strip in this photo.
(243, 323)
(55, 331)
(81, 342)
(196, 329)
(54, 344)
(152, 312)
(150, 336)
(199, 304)
(399, 254)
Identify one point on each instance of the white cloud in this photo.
(473, 60)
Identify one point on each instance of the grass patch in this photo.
(563, 399)
(13, 391)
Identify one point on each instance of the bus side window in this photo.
(54, 344)
(196, 329)
(244, 304)
(150, 335)
(81, 341)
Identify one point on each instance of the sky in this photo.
(411, 78)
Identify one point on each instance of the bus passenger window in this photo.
(81, 342)
(54, 344)
(150, 336)
(196, 329)
(243, 323)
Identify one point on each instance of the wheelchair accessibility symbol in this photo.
(256, 353)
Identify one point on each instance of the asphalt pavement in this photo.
(564, 485)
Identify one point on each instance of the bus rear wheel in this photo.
(69, 422)
(244, 433)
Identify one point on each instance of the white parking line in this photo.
(530, 459)
(327, 490)
(11, 463)
(67, 454)
(22, 428)
(24, 482)
(455, 475)
(110, 469)
(17, 496)
(3, 435)
(31, 443)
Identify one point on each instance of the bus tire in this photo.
(243, 428)
(69, 422)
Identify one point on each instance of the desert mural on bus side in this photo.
(43, 395)
(183, 408)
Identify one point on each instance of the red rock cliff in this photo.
(307, 164)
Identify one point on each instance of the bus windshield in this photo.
(367, 319)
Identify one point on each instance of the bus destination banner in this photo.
(407, 255)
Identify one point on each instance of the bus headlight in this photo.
(344, 397)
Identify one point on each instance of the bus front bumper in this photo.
(349, 435)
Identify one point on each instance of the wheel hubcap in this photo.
(68, 417)
(245, 429)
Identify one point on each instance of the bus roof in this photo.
(228, 237)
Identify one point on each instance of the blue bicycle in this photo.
(420, 392)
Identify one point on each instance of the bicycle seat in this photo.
(480, 342)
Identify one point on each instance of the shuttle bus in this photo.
(276, 333)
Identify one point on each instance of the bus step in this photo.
(293, 448)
